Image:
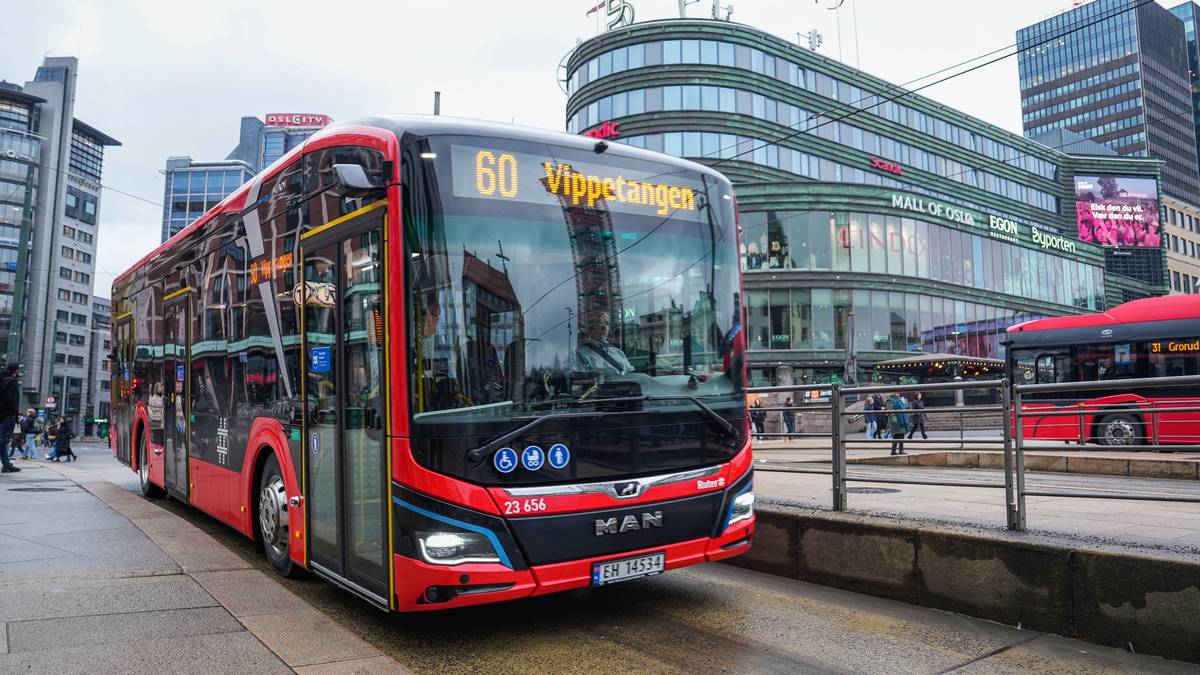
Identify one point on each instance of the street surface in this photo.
(715, 618)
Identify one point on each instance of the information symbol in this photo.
(505, 460)
(559, 456)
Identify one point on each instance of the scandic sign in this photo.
(884, 165)
(297, 120)
(607, 130)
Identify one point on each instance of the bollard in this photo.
(838, 433)
(1018, 445)
(1010, 504)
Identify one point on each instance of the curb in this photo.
(298, 634)
(1138, 602)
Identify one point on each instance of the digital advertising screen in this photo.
(1118, 211)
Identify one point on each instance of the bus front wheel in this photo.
(1119, 430)
(273, 518)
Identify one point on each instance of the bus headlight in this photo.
(452, 548)
(742, 509)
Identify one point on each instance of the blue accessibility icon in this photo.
(533, 458)
(505, 460)
(559, 455)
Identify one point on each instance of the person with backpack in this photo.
(10, 403)
(897, 421)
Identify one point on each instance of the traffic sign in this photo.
(50, 400)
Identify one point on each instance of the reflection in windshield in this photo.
(540, 300)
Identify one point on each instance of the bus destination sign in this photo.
(1190, 345)
(517, 176)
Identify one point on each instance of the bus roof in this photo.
(1148, 318)
(387, 130)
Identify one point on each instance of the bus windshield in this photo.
(541, 277)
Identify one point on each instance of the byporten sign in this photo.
(998, 227)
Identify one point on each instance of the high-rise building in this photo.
(100, 346)
(1117, 72)
(194, 187)
(1189, 12)
(50, 172)
(1182, 233)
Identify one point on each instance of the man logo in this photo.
(630, 522)
(629, 489)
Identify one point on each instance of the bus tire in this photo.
(1119, 430)
(149, 490)
(272, 518)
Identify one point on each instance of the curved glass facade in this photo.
(933, 230)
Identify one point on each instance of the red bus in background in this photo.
(443, 363)
(1152, 337)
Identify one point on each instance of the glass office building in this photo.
(1114, 71)
(933, 229)
(195, 187)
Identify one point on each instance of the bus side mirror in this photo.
(353, 181)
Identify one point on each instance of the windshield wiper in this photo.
(713, 415)
(477, 454)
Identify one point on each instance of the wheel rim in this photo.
(1119, 432)
(143, 470)
(272, 515)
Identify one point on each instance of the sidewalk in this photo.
(95, 579)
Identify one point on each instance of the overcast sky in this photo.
(173, 78)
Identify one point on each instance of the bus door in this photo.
(176, 398)
(122, 408)
(345, 389)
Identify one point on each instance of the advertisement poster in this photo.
(1118, 211)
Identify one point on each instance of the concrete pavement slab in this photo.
(131, 627)
(307, 637)
(250, 593)
(195, 551)
(46, 598)
(199, 655)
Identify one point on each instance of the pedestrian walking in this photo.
(917, 419)
(869, 417)
(62, 442)
(789, 416)
(897, 421)
(10, 402)
(758, 416)
(881, 418)
(21, 435)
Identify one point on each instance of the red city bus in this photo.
(443, 363)
(1152, 337)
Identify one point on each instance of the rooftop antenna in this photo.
(437, 103)
(683, 7)
(814, 39)
(836, 7)
(716, 11)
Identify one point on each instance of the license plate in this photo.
(612, 571)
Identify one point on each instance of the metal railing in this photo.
(1016, 410)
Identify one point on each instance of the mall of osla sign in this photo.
(998, 227)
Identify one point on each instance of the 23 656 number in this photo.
(517, 507)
